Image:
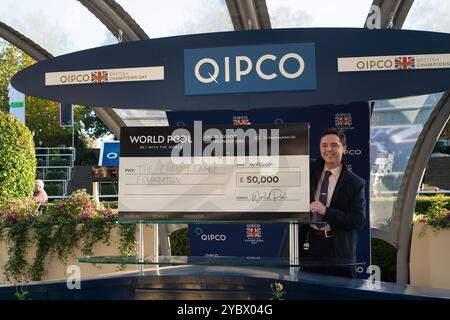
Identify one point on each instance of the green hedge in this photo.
(179, 242)
(424, 202)
(53, 189)
(40, 162)
(17, 159)
(384, 255)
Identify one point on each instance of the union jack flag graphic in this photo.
(343, 120)
(405, 63)
(241, 122)
(253, 232)
(99, 76)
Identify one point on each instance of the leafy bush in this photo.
(53, 189)
(425, 202)
(437, 215)
(80, 206)
(110, 204)
(75, 222)
(17, 159)
(15, 210)
(384, 255)
(179, 242)
(40, 162)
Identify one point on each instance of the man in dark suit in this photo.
(338, 202)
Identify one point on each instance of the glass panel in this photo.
(140, 114)
(174, 17)
(402, 126)
(147, 123)
(304, 222)
(59, 26)
(218, 261)
(428, 15)
(395, 127)
(143, 117)
(318, 13)
(396, 124)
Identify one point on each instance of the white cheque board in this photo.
(162, 178)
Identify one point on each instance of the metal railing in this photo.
(49, 154)
(44, 171)
(53, 160)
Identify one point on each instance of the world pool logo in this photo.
(260, 68)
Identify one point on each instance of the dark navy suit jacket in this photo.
(346, 213)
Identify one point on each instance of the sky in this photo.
(63, 26)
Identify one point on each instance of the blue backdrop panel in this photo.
(255, 240)
(353, 119)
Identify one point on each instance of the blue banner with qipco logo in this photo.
(258, 68)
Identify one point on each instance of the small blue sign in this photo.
(259, 68)
(109, 154)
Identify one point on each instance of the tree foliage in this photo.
(41, 116)
(12, 60)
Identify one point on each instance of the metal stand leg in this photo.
(294, 252)
(156, 243)
(141, 248)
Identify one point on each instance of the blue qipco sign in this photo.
(259, 68)
(109, 154)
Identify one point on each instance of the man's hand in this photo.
(317, 207)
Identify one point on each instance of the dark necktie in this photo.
(323, 196)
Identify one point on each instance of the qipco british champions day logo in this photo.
(264, 68)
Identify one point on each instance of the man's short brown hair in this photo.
(336, 132)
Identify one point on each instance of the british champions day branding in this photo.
(262, 68)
